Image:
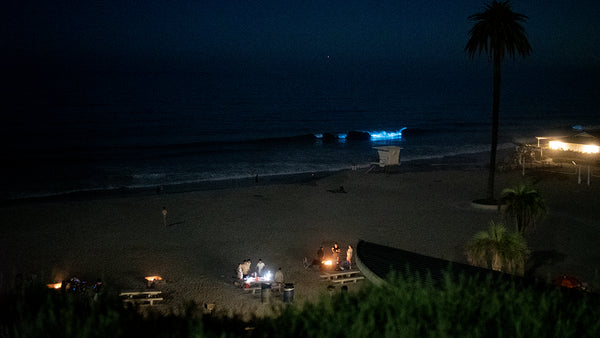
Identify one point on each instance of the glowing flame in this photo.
(54, 285)
(328, 262)
(153, 278)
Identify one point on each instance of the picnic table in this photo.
(253, 284)
(342, 277)
(141, 297)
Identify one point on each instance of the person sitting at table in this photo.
(345, 265)
(240, 272)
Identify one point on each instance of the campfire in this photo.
(54, 285)
(327, 263)
(152, 279)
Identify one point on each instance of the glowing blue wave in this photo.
(379, 135)
(386, 135)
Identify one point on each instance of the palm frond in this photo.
(498, 31)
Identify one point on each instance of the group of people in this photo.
(335, 256)
(244, 269)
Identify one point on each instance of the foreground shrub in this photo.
(413, 307)
(405, 307)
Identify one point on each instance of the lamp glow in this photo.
(556, 145)
(590, 149)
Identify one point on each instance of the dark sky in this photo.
(191, 35)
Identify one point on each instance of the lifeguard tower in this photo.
(388, 156)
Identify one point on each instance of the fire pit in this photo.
(54, 285)
(151, 280)
(327, 264)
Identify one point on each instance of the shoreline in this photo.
(469, 161)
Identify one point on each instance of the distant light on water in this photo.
(342, 136)
(386, 135)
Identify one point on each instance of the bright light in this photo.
(328, 262)
(582, 148)
(342, 136)
(268, 275)
(386, 135)
(153, 278)
(54, 286)
(557, 145)
(590, 148)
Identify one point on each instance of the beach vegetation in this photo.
(497, 32)
(407, 305)
(499, 249)
(524, 206)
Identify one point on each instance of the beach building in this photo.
(582, 145)
(583, 142)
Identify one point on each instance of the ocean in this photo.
(115, 131)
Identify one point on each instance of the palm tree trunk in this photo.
(496, 262)
(495, 118)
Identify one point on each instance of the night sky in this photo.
(169, 36)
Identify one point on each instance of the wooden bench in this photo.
(141, 297)
(342, 274)
(347, 280)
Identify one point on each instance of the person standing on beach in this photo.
(164, 213)
(320, 254)
(246, 267)
(259, 267)
(349, 256)
(335, 251)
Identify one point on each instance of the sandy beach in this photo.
(122, 239)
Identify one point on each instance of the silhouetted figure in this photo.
(320, 254)
(164, 213)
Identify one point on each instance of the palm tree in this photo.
(524, 205)
(502, 249)
(497, 32)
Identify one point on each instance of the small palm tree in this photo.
(497, 32)
(499, 248)
(524, 205)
